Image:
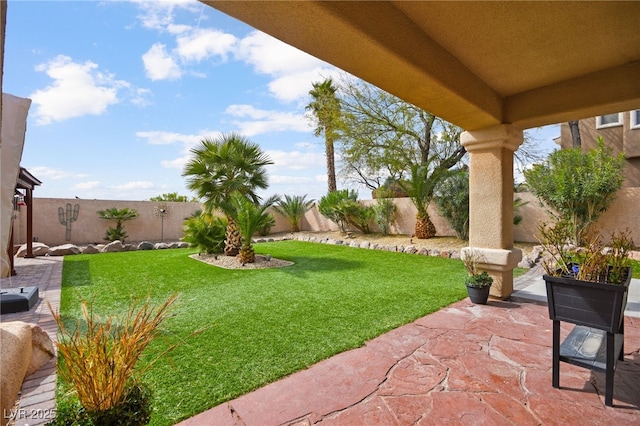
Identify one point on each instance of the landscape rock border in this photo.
(40, 249)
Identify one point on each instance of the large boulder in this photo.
(39, 249)
(145, 245)
(64, 250)
(114, 246)
(24, 349)
(91, 249)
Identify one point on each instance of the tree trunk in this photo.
(233, 241)
(575, 134)
(331, 167)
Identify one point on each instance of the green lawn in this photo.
(262, 324)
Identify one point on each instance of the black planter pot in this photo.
(597, 309)
(479, 295)
(592, 304)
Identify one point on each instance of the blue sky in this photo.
(123, 90)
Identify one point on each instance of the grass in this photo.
(261, 325)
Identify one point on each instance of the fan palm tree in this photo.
(221, 167)
(420, 189)
(119, 215)
(249, 217)
(293, 209)
(325, 107)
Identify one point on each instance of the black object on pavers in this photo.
(19, 299)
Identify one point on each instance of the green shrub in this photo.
(385, 210)
(343, 208)
(205, 232)
(453, 202)
(578, 187)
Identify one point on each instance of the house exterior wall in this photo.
(623, 138)
(89, 228)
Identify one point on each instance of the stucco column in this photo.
(491, 202)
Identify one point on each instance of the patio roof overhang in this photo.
(475, 64)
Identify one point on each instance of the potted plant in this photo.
(587, 286)
(478, 282)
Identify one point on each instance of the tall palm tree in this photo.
(293, 208)
(325, 107)
(222, 166)
(250, 217)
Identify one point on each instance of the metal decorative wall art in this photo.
(68, 216)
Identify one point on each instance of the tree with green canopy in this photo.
(221, 167)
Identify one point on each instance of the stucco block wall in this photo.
(89, 228)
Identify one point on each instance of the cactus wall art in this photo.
(68, 216)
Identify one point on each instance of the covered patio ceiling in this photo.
(475, 64)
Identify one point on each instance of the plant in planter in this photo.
(587, 286)
(478, 282)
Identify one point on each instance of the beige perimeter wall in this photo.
(623, 214)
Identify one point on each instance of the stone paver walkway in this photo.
(465, 364)
(37, 398)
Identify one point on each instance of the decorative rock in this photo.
(260, 240)
(182, 244)
(90, 249)
(424, 251)
(434, 252)
(41, 349)
(114, 246)
(392, 248)
(39, 249)
(64, 250)
(410, 249)
(354, 244)
(455, 255)
(445, 254)
(365, 244)
(15, 352)
(161, 246)
(129, 247)
(145, 245)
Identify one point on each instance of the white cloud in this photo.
(269, 55)
(87, 185)
(159, 65)
(265, 121)
(167, 138)
(296, 86)
(293, 70)
(78, 89)
(282, 179)
(46, 173)
(134, 185)
(200, 44)
(159, 15)
(295, 160)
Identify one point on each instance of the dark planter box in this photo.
(597, 309)
(592, 304)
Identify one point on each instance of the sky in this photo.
(122, 91)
